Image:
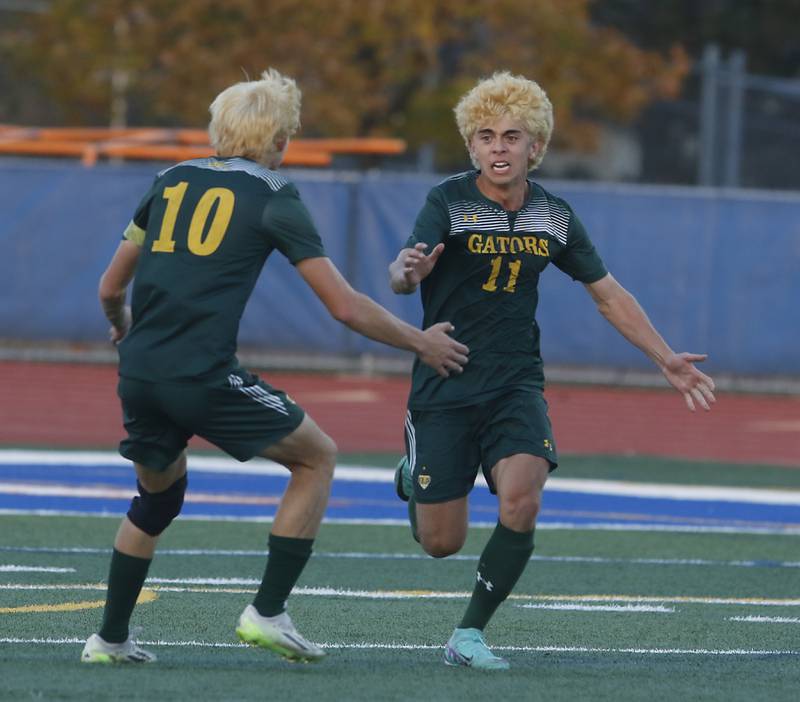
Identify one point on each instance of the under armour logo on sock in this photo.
(486, 583)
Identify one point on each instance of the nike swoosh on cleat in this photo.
(459, 658)
(297, 642)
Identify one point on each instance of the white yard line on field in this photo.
(367, 555)
(394, 646)
(766, 620)
(33, 569)
(624, 609)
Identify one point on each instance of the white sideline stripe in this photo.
(214, 585)
(33, 569)
(363, 645)
(645, 526)
(565, 606)
(594, 487)
(769, 620)
(365, 555)
(238, 499)
(668, 491)
(60, 490)
(386, 475)
(547, 526)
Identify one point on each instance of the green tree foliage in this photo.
(366, 67)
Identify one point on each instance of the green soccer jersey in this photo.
(205, 228)
(485, 283)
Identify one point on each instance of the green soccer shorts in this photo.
(447, 447)
(240, 414)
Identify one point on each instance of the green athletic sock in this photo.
(503, 559)
(287, 558)
(126, 576)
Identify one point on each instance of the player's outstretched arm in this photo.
(114, 286)
(434, 346)
(622, 310)
(412, 266)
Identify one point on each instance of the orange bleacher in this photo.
(91, 144)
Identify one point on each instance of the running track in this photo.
(75, 405)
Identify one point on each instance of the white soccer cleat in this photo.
(276, 634)
(98, 650)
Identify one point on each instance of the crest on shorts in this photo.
(548, 444)
(424, 480)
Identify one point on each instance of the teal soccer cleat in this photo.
(403, 482)
(467, 648)
(404, 487)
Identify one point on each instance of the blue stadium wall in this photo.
(717, 271)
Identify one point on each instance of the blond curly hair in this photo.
(504, 95)
(254, 119)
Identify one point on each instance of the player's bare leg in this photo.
(442, 527)
(519, 481)
(310, 455)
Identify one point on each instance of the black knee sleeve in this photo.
(153, 512)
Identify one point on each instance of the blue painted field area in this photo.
(102, 483)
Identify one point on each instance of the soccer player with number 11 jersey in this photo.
(476, 252)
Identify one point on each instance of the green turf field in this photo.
(641, 622)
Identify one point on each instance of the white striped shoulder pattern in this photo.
(542, 215)
(474, 216)
(274, 180)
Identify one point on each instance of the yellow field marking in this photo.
(185, 585)
(144, 597)
(238, 586)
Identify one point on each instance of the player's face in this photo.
(502, 148)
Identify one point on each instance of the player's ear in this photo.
(470, 146)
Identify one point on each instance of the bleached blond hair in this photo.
(254, 118)
(507, 95)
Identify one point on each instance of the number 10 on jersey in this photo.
(195, 242)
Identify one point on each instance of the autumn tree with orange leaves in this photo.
(366, 68)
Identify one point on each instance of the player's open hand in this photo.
(694, 385)
(417, 265)
(441, 351)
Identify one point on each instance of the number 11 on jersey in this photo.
(513, 273)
